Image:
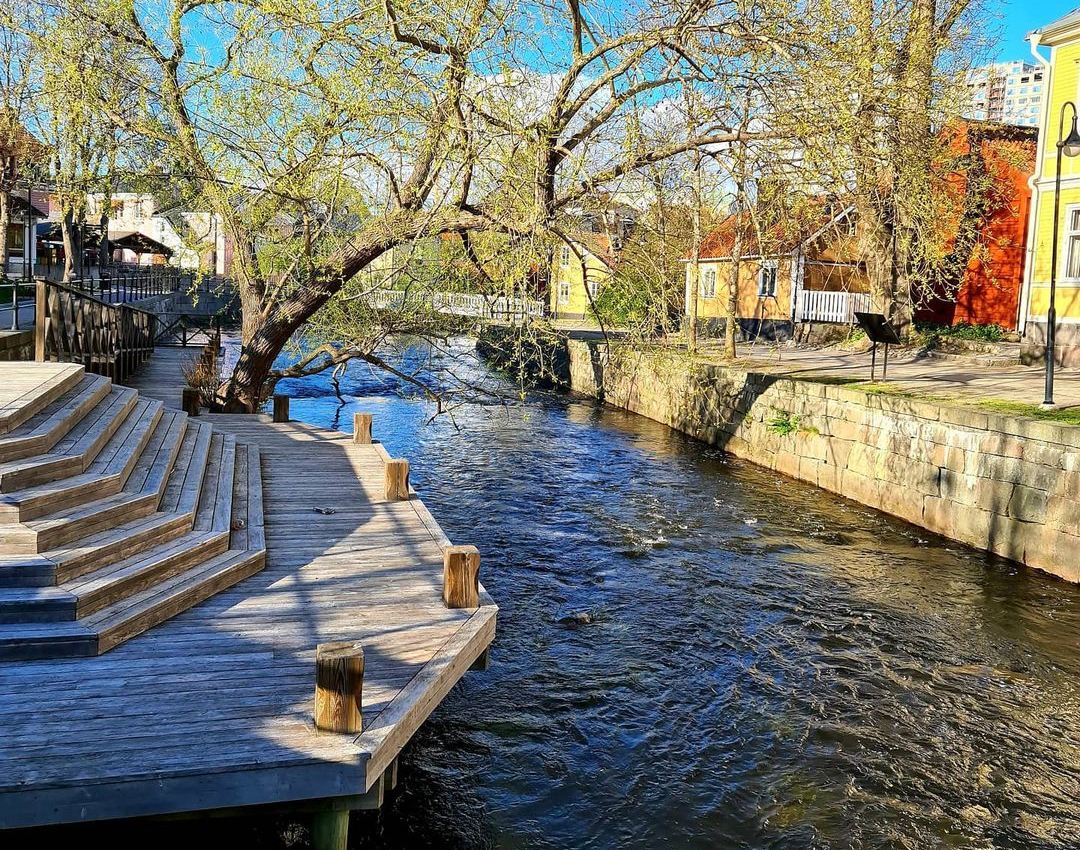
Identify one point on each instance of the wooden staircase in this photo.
(115, 515)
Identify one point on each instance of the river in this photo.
(693, 652)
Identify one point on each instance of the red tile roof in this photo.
(774, 240)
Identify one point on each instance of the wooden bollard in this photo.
(190, 401)
(361, 428)
(461, 577)
(397, 479)
(339, 686)
(281, 408)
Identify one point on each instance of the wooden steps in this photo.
(43, 430)
(116, 514)
(30, 387)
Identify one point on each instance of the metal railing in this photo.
(16, 304)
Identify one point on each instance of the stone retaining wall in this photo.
(1005, 484)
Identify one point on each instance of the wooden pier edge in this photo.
(395, 725)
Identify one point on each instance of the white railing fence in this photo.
(458, 304)
(839, 307)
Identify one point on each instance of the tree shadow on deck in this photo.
(226, 687)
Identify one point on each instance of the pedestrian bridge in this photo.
(466, 304)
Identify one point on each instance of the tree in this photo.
(884, 80)
(326, 134)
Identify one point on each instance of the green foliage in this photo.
(929, 335)
(783, 422)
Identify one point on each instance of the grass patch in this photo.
(1061, 416)
(979, 333)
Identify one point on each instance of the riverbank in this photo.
(1006, 484)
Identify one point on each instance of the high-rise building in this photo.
(1007, 92)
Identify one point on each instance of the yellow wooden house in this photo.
(579, 271)
(803, 270)
(1057, 48)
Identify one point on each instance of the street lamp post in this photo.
(1067, 146)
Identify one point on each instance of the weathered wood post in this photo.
(190, 401)
(361, 428)
(397, 479)
(339, 686)
(330, 830)
(461, 577)
(281, 408)
(41, 295)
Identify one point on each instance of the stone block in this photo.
(1027, 504)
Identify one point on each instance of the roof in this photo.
(21, 205)
(1062, 26)
(597, 244)
(138, 242)
(781, 238)
(17, 141)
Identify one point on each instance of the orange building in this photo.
(992, 201)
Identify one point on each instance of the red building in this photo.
(983, 275)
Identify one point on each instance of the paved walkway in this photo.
(929, 375)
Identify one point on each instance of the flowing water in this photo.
(696, 653)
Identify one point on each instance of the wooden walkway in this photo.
(213, 709)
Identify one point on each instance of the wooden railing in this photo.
(73, 327)
(839, 307)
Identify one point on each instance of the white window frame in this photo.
(708, 283)
(563, 292)
(768, 266)
(593, 285)
(564, 256)
(1063, 248)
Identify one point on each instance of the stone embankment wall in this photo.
(1005, 484)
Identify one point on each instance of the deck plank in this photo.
(212, 708)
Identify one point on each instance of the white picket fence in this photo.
(840, 307)
(459, 304)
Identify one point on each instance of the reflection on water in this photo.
(696, 653)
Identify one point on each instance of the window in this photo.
(593, 286)
(1072, 243)
(708, 283)
(564, 292)
(564, 256)
(766, 287)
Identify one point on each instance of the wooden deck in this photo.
(213, 708)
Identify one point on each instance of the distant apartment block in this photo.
(1007, 92)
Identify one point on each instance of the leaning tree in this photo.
(326, 133)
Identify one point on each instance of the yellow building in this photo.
(806, 270)
(1057, 48)
(579, 271)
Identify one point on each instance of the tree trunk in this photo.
(104, 254)
(694, 285)
(72, 237)
(736, 251)
(913, 157)
(733, 292)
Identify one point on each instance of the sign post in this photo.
(879, 330)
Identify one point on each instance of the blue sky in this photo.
(1019, 17)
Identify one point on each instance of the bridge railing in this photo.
(459, 304)
(73, 327)
(16, 304)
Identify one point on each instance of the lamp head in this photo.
(1071, 145)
